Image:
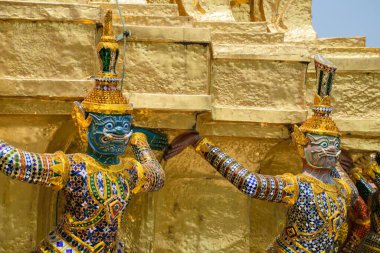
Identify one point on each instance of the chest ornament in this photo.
(110, 190)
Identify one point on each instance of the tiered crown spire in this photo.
(321, 122)
(106, 97)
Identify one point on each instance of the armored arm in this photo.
(151, 176)
(346, 170)
(272, 188)
(365, 189)
(344, 176)
(359, 220)
(50, 170)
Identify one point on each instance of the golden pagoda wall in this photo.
(48, 53)
(241, 89)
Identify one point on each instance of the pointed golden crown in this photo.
(106, 97)
(321, 122)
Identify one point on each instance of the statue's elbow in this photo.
(160, 180)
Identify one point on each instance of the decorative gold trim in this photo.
(94, 166)
(81, 122)
(138, 136)
(62, 169)
(202, 147)
(322, 125)
(300, 140)
(319, 184)
(142, 180)
(107, 108)
(291, 187)
(95, 249)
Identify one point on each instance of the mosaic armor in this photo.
(316, 210)
(96, 195)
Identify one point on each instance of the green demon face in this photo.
(322, 151)
(109, 134)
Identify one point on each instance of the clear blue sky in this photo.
(345, 18)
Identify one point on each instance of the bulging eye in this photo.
(324, 144)
(337, 145)
(109, 126)
(126, 125)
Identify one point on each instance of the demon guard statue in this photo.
(98, 184)
(367, 169)
(318, 198)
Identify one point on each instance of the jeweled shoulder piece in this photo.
(106, 97)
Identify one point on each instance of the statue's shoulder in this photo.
(78, 158)
(309, 184)
(79, 161)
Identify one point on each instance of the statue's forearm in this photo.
(45, 169)
(273, 188)
(360, 226)
(153, 172)
(344, 176)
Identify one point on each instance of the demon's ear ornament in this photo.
(300, 140)
(81, 122)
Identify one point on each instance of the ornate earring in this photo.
(81, 122)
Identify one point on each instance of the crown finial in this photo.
(108, 49)
(106, 97)
(325, 75)
(107, 27)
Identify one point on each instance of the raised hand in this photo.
(181, 142)
(156, 140)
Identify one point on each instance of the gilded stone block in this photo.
(170, 21)
(248, 151)
(225, 26)
(137, 226)
(254, 84)
(176, 34)
(52, 88)
(64, 11)
(206, 126)
(262, 95)
(58, 52)
(247, 38)
(164, 119)
(355, 94)
(213, 219)
(170, 102)
(152, 9)
(173, 68)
